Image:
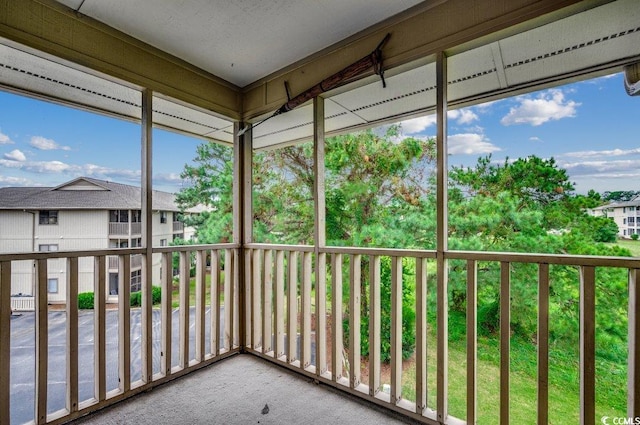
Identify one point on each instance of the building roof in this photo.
(82, 193)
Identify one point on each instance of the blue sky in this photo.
(590, 128)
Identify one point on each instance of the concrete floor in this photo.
(235, 391)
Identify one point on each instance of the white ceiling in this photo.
(240, 41)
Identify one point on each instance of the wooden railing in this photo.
(292, 311)
(213, 308)
(290, 322)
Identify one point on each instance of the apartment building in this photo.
(82, 214)
(626, 215)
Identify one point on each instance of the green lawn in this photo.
(631, 245)
(175, 293)
(564, 393)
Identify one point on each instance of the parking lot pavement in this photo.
(23, 355)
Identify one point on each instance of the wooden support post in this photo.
(442, 304)
(147, 235)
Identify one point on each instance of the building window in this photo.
(624, 221)
(118, 243)
(52, 285)
(136, 216)
(163, 242)
(48, 217)
(631, 220)
(136, 281)
(47, 247)
(119, 216)
(136, 242)
(163, 216)
(113, 283)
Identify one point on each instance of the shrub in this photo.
(156, 294)
(136, 297)
(85, 301)
(635, 236)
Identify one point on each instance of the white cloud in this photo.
(627, 168)
(73, 170)
(470, 144)
(15, 181)
(417, 125)
(603, 153)
(45, 144)
(5, 140)
(534, 139)
(172, 178)
(15, 155)
(462, 116)
(547, 106)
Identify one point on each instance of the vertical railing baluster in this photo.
(396, 329)
(321, 314)
(374, 325)
(336, 311)
(124, 322)
(248, 298)
(267, 298)
(587, 345)
(184, 309)
(100, 327)
(42, 341)
(279, 304)
(292, 308)
(633, 370)
(543, 343)
(505, 340)
(215, 302)
(72, 334)
(258, 257)
(5, 348)
(229, 299)
(166, 311)
(305, 346)
(201, 274)
(421, 335)
(472, 341)
(355, 283)
(236, 294)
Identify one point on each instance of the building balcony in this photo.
(114, 261)
(178, 227)
(122, 229)
(289, 306)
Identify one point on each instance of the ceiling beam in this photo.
(420, 33)
(53, 28)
